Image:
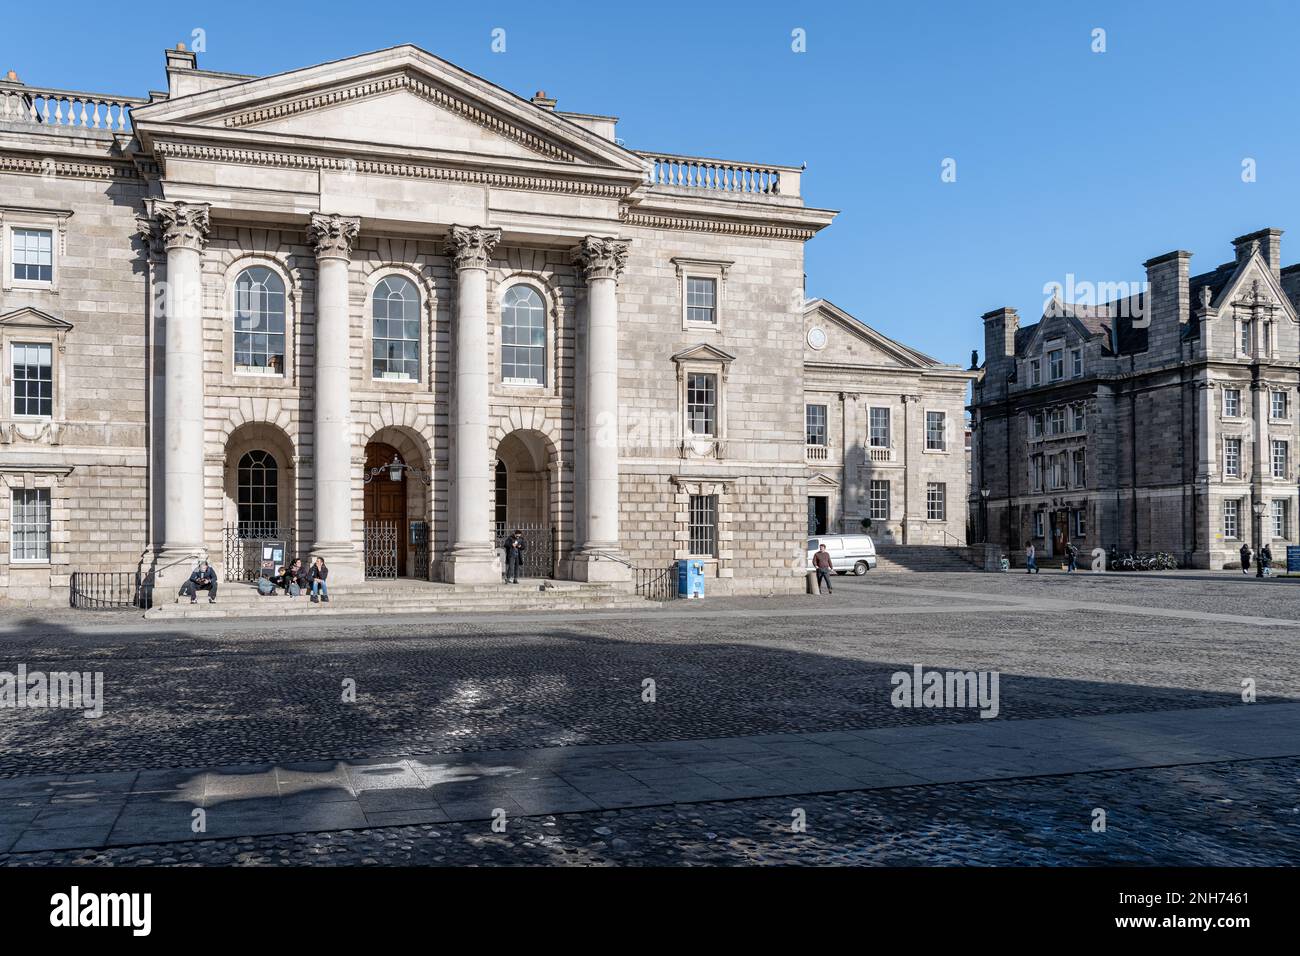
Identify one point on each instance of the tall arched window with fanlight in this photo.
(259, 322)
(523, 336)
(258, 489)
(395, 314)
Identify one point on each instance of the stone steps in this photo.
(242, 600)
(921, 558)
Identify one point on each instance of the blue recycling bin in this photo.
(690, 579)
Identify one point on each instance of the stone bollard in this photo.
(811, 577)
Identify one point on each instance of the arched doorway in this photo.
(385, 512)
(259, 503)
(522, 498)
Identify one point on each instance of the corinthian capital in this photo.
(174, 225)
(601, 258)
(470, 247)
(332, 236)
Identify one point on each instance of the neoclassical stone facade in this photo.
(1164, 420)
(381, 310)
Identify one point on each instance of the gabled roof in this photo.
(260, 104)
(905, 355)
(1228, 289)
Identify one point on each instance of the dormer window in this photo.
(1076, 362)
(1035, 372)
(1055, 365)
(1245, 337)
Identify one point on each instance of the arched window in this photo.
(258, 492)
(523, 337)
(259, 321)
(395, 309)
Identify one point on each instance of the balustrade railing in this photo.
(108, 590)
(818, 452)
(66, 108)
(720, 175)
(656, 584)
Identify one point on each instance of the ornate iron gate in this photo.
(539, 550)
(381, 549)
(420, 549)
(243, 547)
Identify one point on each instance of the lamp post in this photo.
(394, 470)
(1258, 508)
(984, 515)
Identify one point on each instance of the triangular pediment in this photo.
(29, 318)
(402, 97)
(704, 352)
(1252, 286)
(823, 480)
(832, 336)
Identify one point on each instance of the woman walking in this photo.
(317, 576)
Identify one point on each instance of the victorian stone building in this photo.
(382, 310)
(1164, 420)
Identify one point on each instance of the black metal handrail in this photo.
(108, 590)
(656, 584)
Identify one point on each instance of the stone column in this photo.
(332, 237)
(599, 557)
(182, 228)
(472, 558)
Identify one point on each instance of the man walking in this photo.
(515, 547)
(1245, 558)
(1264, 562)
(203, 579)
(823, 566)
(1031, 559)
(1072, 556)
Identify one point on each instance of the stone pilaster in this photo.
(180, 230)
(472, 558)
(599, 557)
(332, 237)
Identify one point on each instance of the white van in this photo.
(856, 552)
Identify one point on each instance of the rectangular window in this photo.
(1035, 372)
(1080, 419)
(704, 525)
(936, 427)
(33, 378)
(1055, 365)
(1079, 464)
(1056, 422)
(815, 418)
(1080, 523)
(1277, 405)
(33, 255)
(1038, 524)
(1281, 524)
(1280, 449)
(1231, 516)
(1036, 472)
(701, 300)
(879, 427)
(1245, 338)
(1036, 425)
(1056, 478)
(702, 404)
(1076, 361)
(1232, 457)
(1231, 402)
(879, 500)
(30, 534)
(936, 501)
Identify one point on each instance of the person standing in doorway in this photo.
(515, 548)
(1031, 559)
(823, 566)
(1245, 558)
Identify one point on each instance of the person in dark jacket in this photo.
(293, 578)
(515, 548)
(316, 578)
(823, 565)
(1072, 554)
(1264, 561)
(203, 579)
(1245, 559)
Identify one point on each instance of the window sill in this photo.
(30, 565)
(253, 372)
(506, 383)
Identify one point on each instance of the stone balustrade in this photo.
(65, 108)
(747, 180)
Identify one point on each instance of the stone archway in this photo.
(397, 513)
(526, 462)
(259, 497)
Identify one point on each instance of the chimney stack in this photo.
(1269, 244)
(545, 102)
(1168, 300)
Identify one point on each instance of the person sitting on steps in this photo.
(316, 577)
(203, 579)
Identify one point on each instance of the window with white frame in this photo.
(1056, 422)
(32, 255)
(1245, 338)
(1036, 425)
(1231, 517)
(523, 336)
(815, 420)
(1280, 456)
(1080, 517)
(1076, 362)
(701, 300)
(702, 404)
(259, 321)
(704, 525)
(33, 379)
(1232, 403)
(1277, 404)
(1036, 472)
(1232, 457)
(1056, 474)
(1035, 372)
(1038, 524)
(879, 427)
(29, 536)
(879, 500)
(1055, 365)
(1079, 468)
(936, 429)
(395, 330)
(1080, 420)
(1281, 518)
(936, 501)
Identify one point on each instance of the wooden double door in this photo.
(386, 499)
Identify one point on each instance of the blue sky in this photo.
(1067, 161)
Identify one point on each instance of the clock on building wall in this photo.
(817, 337)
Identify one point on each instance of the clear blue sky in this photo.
(1068, 161)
